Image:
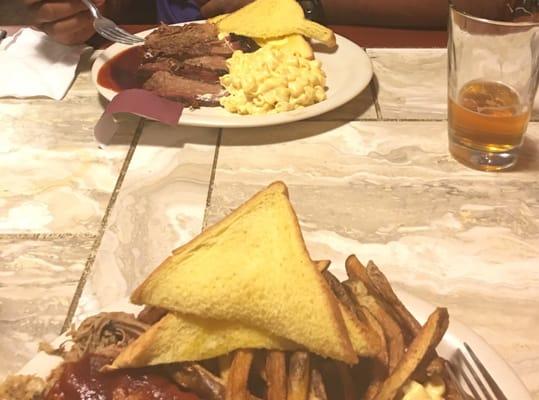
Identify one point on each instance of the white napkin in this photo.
(33, 64)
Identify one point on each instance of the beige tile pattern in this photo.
(160, 206)
(54, 177)
(37, 280)
(411, 83)
(389, 191)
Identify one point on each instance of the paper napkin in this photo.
(138, 102)
(33, 64)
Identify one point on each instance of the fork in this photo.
(481, 385)
(108, 29)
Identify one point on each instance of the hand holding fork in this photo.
(71, 21)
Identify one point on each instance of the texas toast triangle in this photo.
(271, 19)
(252, 267)
(178, 338)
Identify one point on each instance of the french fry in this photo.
(298, 376)
(392, 331)
(378, 376)
(358, 272)
(276, 375)
(426, 341)
(338, 290)
(380, 366)
(385, 290)
(224, 366)
(198, 380)
(317, 390)
(434, 366)
(150, 315)
(348, 386)
(238, 377)
(322, 265)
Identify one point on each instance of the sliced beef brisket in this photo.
(174, 41)
(190, 58)
(190, 92)
(212, 63)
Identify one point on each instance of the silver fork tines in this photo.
(474, 375)
(108, 29)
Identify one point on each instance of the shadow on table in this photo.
(277, 134)
(256, 136)
(156, 134)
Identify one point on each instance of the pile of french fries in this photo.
(408, 352)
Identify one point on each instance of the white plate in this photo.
(348, 71)
(505, 377)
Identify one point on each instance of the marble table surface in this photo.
(81, 226)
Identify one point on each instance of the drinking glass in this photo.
(493, 70)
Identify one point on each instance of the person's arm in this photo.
(131, 11)
(70, 22)
(410, 13)
(389, 13)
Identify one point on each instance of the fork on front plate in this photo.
(108, 29)
(466, 367)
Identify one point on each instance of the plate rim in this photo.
(42, 364)
(250, 121)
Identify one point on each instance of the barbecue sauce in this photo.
(120, 72)
(81, 380)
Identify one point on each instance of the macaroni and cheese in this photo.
(271, 80)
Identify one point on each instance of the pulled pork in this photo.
(105, 334)
(22, 387)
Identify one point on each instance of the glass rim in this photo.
(492, 21)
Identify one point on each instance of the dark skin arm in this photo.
(388, 13)
(409, 13)
(70, 22)
(401, 13)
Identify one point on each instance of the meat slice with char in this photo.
(147, 69)
(193, 40)
(185, 62)
(206, 69)
(176, 40)
(189, 92)
(210, 62)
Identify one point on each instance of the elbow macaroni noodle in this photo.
(271, 81)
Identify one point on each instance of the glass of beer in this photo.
(493, 73)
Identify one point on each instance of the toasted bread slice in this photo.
(252, 267)
(317, 32)
(291, 44)
(274, 18)
(179, 338)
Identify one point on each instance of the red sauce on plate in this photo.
(120, 72)
(82, 380)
